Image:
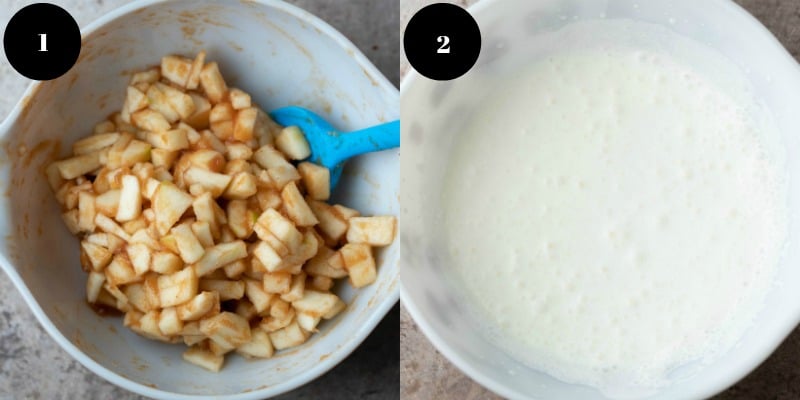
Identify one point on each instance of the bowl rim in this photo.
(378, 312)
(771, 340)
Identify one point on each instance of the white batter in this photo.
(615, 215)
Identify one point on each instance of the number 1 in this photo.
(445, 47)
(42, 42)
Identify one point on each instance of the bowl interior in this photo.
(279, 54)
(518, 31)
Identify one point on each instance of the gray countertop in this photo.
(33, 366)
(426, 374)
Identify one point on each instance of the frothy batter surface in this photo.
(614, 215)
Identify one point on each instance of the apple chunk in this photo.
(169, 204)
(177, 288)
(374, 231)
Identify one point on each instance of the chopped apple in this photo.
(280, 309)
(238, 151)
(242, 186)
(220, 255)
(236, 166)
(168, 322)
(93, 286)
(293, 143)
(272, 323)
(245, 124)
(296, 289)
(203, 358)
(177, 100)
(320, 265)
(215, 183)
(345, 213)
(259, 346)
(296, 206)
(135, 225)
(94, 143)
(170, 140)
(163, 158)
(315, 303)
(193, 79)
(235, 269)
(320, 283)
(207, 210)
(165, 262)
(130, 199)
(268, 157)
(268, 198)
(316, 180)
(340, 305)
(281, 227)
(189, 247)
(140, 256)
(374, 231)
(287, 337)
(277, 282)
(202, 109)
(212, 82)
(281, 176)
(198, 306)
(332, 225)
(202, 230)
(147, 76)
(228, 290)
(150, 120)
(108, 202)
(227, 329)
(158, 101)
(135, 100)
(139, 298)
(359, 263)
(169, 203)
(108, 225)
(120, 271)
(104, 127)
(176, 69)
(136, 151)
(261, 299)
(86, 211)
(267, 256)
(239, 219)
(178, 287)
(74, 167)
(307, 321)
(239, 99)
(182, 139)
(97, 255)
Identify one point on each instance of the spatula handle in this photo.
(376, 138)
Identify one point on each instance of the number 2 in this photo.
(445, 47)
(42, 42)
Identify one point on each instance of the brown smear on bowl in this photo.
(87, 347)
(26, 102)
(139, 364)
(371, 79)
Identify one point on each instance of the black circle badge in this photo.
(442, 41)
(42, 41)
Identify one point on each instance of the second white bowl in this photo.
(517, 31)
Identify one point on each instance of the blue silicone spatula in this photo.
(330, 147)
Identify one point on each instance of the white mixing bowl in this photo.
(280, 54)
(515, 32)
